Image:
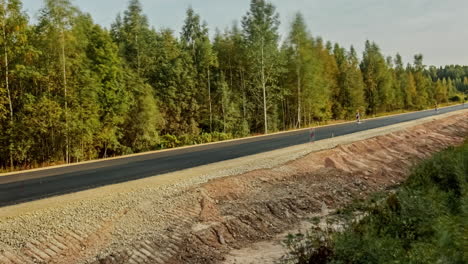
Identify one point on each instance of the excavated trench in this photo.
(204, 223)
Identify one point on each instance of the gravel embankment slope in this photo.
(165, 218)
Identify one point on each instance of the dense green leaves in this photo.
(14, 54)
(71, 90)
(423, 222)
(196, 43)
(260, 31)
(306, 90)
(377, 79)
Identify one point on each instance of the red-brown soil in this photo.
(203, 223)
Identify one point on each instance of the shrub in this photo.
(186, 140)
(206, 138)
(169, 141)
(423, 222)
(311, 248)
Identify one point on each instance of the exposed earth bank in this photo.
(205, 221)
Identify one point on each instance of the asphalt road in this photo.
(27, 186)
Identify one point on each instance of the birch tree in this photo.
(260, 29)
(302, 66)
(13, 40)
(59, 14)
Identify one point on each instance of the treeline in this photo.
(458, 74)
(71, 90)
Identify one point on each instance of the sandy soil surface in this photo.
(201, 215)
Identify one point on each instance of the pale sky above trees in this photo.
(434, 28)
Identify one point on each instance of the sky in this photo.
(436, 28)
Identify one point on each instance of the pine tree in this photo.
(138, 48)
(113, 97)
(231, 52)
(301, 60)
(131, 35)
(441, 92)
(400, 77)
(174, 85)
(410, 92)
(143, 121)
(340, 95)
(305, 71)
(327, 78)
(355, 85)
(377, 79)
(349, 97)
(230, 115)
(422, 84)
(136, 41)
(196, 42)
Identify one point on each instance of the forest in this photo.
(72, 90)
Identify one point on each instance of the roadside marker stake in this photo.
(312, 135)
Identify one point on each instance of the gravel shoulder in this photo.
(154, 220)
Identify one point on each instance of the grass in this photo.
(424, 221)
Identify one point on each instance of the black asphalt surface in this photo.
(27, 186)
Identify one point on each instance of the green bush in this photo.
(205, 138)
(169, 141)
(314, 246)
(186, 140)
(423, 222)
(172, 141)
(455, 98)
(219, 136)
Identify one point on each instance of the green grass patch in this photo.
(424, 221)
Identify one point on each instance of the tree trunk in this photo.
(138, 55)
(64, 71)
(209, 100)
(244, 110)
(283, 106)
(223, 110)
(230, 71)
(264, 90)
(298, 93)
(105, 150)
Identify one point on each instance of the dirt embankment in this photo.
(203, 222)
(260, 204)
